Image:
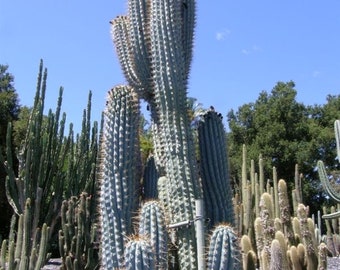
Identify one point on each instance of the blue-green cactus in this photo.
(152, 226)
(224, 250)
(214, 169)
(139, 255)
(119, 173)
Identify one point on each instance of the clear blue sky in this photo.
(241, 48)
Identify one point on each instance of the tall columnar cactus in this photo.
(214, 169)
(51, 165)
(224, 249)
(119, 173)
(154, 46)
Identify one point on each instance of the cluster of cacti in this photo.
(279, 236)
(77, 237)
(52, 167)
(26, 247)
(154, 46)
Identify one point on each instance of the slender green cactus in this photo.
(119, 173)
(152, 226)
(214, 169)
(29, 249)
(77, 237)
(139, 255)
(224, 250)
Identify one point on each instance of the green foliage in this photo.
(9, 111)
(285, 132)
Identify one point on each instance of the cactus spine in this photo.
(152, 225)
(119, 173)
(215, 178)
(139, 255)
(223, 249)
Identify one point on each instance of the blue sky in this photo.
(241, 48)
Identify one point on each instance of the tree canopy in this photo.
(9, 102)
(285, 132)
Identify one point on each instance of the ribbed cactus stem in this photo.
(119, 173)
(214, 169)
(224, 252)
(139, 255)
(152, 226)
(150, 178)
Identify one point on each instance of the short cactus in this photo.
(224, 251)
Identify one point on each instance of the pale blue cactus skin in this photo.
(214, 169)
(224, 249)
(152, 225)
(139, 255)
(119, 173)
(154, 47)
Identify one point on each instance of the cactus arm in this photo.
(335, 195)
(138, 17)
(119, 31)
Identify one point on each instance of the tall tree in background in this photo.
(285, 132)
(9, 112)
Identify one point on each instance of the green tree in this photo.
(9, 111)
(279, 128)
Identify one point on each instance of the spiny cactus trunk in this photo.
(154, 46)
(119, 173)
